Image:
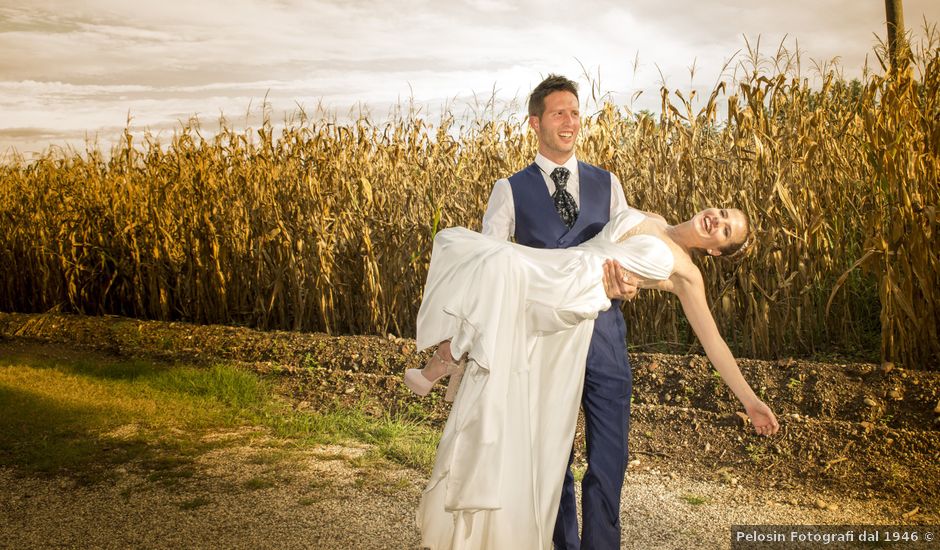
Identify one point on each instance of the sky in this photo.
(76, 71)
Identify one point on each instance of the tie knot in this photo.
(560, 177)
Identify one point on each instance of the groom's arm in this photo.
(499, 220)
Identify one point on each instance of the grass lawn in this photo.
(85, 415)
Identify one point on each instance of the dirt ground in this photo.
(326, 503)
(859, 444)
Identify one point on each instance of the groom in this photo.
(559, 202)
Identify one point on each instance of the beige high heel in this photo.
(419, 384)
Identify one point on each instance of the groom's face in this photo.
(558, 126)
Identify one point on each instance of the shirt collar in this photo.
(547, 166)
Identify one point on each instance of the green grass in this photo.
(578, 472)
(260, 482)
(84, 416)
(757, 453)
(694, 500)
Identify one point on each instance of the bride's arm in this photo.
(690, 288)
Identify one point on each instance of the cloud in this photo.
(490, 6)
(84, 64)
(30, 133)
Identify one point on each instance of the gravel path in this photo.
(335, 498)
(317, 500)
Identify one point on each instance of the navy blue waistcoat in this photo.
(538, 225)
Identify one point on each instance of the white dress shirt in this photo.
(500, 217)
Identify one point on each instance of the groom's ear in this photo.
(534, 122)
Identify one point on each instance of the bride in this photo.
(521, 320)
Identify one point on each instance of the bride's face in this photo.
(718, 228)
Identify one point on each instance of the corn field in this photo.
(322, 226)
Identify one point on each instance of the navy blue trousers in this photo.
(608, 383)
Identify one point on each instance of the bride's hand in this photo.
(763, 419)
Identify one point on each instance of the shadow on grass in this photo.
(84, 416)
(42, 436)
(227, 386)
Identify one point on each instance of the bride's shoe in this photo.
(418, 383)
(454, 383)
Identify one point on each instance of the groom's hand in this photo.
(619, 284)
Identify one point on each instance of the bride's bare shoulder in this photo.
(685, 273)
(683, 266)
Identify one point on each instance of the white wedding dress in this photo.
(525, 318)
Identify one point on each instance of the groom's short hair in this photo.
(554, 83)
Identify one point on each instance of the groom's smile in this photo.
(558, 126)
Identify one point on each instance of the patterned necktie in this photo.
(564, 202)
